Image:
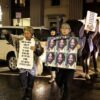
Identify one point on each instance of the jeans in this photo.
(27, 82)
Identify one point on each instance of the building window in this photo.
(55, 2)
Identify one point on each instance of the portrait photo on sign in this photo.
(50, 59)
(60, 60)
(51, 44)
(71, 60)
(72, 45)
(61, 45)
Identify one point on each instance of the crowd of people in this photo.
(62, 76)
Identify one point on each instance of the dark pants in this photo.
(64, 79)
(27, 82)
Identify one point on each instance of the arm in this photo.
(32, 48)
(96, 31)
(81, 31)
(33, 44)
(38, 50)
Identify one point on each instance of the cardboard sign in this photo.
(25, 59)
(62, 52)
(90, 24)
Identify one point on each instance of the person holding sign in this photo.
(64, 76)
(26, 62)
(88, 48)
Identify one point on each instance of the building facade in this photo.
(5, 12)
(63, 10)
(42, 12)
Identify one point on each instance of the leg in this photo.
(30, 86)
(59, 81)
(85, 66)
(68, 77)
(23, 80)
(87, 76)
(59, 78)
(95, 61)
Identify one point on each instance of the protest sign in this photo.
(65, 53)
(90, 23)
(25, 59)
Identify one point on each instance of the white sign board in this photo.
(25, 59)
(90, 24)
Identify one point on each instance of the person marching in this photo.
(53, 33)
(64, 77)
(27, 75)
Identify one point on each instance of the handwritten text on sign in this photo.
(25, 59)
(91, 21)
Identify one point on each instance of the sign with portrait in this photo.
(62, 52)
(25, 59)
(90, 24)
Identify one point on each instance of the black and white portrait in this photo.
(51, 44)
(60, 60)
(50, 59)
(72, 45)
(61, 45)
(71, 60)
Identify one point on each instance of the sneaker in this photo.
(87, 76)
(51, 80)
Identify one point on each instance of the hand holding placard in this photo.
(32, 48)
(90, 24)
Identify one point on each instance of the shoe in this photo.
(51, 80)
(87, 76)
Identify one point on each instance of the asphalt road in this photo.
(10, 88)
